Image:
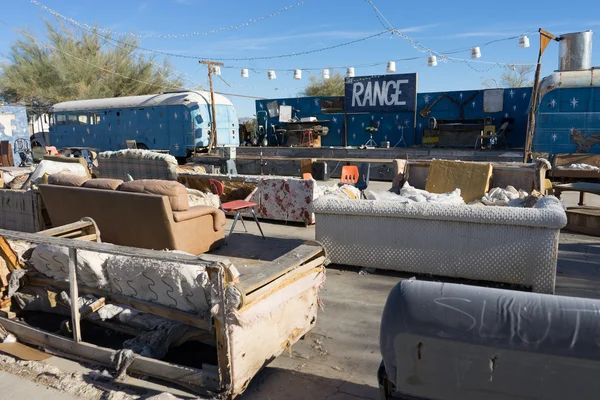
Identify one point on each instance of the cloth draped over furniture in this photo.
(279, 198)
(496, 244)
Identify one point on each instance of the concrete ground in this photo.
(14, 387)
(340, 358)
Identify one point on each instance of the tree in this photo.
(68, 66)
(513, 77)
(334, 86)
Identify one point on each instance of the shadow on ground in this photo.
(251, 246)
(283, 384)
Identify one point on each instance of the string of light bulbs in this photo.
(169, 36)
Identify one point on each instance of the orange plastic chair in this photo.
(349, 175)
(307, 176)
(238, 206)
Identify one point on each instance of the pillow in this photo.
(175, 191)
(103, 183)
(67, 180)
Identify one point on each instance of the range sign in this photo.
(381, 93)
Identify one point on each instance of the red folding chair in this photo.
(236, 205)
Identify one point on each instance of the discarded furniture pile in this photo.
(159, 307)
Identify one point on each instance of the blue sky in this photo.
(440, 25)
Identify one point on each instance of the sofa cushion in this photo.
(175, 191)
(199, 211)
(67, 179)
(102, 183)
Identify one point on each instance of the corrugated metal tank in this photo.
(575, 51)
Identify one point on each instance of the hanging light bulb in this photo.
(271, 74)
(391, 67)
(297, 74)
(475, 52)
(350, 72)
(524, 42)
(325, 73)
(216, 70)
(244, 72)
(432, 61)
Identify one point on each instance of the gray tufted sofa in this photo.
(497, 244)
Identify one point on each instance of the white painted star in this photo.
(385, 137)
(129, 123)
(87, 130)
(175, 116)
(186, 115)
(554, 136)
(137, 132)
(372, 117)
(147, 115)
(94, 136)
(511, 93)
(73, 129)
(460, 95)
(574, 102)
(334, 119)
(176, 146)
(406, 122)
(354, 136)
(82, 140)
(572, 130)
(382, 118)
(514, 108)
(506, 115)
(552, 103)
(159, 126)
(524, 95)
(261, 105)
(109, 128)
(316, 102)
(339, 131)
(352, 119)
(420, 125)
(397, 117)
(362, 125)
(426, 98)
(283, 103)
(473, 104)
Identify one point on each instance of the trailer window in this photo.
(94, 119)
(82, 119)
(72, 119)
(60, 119)
(332, 106)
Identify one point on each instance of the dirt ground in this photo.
(340, 358)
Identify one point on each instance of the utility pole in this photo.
(545, 38)
(213, 132)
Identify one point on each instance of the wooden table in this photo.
(581, 187)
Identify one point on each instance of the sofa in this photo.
(460, 342)
(496, 244)
(286, 199)
(151, 214)
(139, 164)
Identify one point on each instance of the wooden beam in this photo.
(74, 295)
(282, 281)
(278, 267)
(140, 305)
(8, 254)
(195, 379)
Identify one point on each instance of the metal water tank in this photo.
(575, 51)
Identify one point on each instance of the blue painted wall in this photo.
(408, 125)
(566, 115)
(515, 106)
(13, 125)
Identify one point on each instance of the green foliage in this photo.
(71, 66)
(334, 86)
